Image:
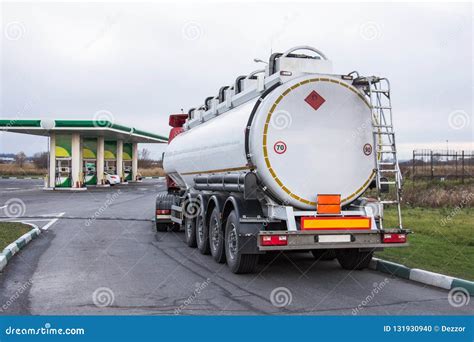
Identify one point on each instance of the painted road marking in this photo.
(45, 227)
(53, 221)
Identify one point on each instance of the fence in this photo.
(438, 164)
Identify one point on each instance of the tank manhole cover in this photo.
(315, 100)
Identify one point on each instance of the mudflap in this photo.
(248, 238)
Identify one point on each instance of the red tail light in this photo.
(162, 211)
(394, 238)
(274, 240)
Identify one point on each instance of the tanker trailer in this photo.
(280, 160)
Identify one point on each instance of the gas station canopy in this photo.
(87, 128)
(86, 153)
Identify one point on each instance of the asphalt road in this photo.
(100, 254)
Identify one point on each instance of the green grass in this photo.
(442, 240)
(10, 231)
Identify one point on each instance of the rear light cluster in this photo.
(162, 211)
(274, 240)
(394, 238)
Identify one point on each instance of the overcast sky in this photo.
(143, 61)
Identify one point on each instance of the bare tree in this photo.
(144, 159)
(40, 160)
(20, 158)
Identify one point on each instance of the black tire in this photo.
(216, 237)
(190, 231)
(353, 259)
(238, 263)
(162, 227)
(164, 201)
(324, 254)
(202, 236)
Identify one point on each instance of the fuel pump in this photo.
(111, 167)
(89, 171)
(127, 170)
(63, 178)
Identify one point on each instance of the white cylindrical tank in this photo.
(311, 135)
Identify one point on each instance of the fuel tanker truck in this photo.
(280, 160)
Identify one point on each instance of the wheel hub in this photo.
(215, 234)
(200, 230)
(232, 242)
(189, 227)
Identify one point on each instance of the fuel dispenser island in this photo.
(63, 174)
(110, 157)
(127, 161)
(89, 161)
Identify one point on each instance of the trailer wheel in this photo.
(216, 237)
(237, 262)
(324, 254)
(164, 200)
(202, 236)
(353, 259)
(190, 231)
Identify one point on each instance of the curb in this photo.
(421, 276)
(13, 248)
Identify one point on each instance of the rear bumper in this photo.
(304, 240)
(163, 218)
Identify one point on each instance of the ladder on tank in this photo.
(387, 173)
